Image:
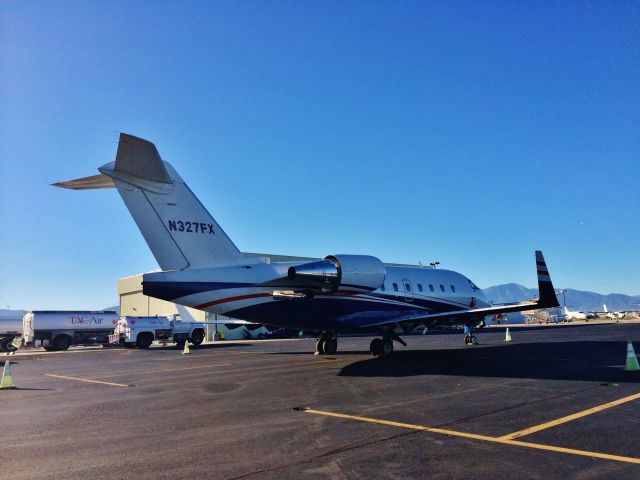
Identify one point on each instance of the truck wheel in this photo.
(144, 340)
(62, 342)
(197, 338)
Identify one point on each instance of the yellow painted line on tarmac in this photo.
(569, 418)
(500, 440)
(166, 370)
(86, 380)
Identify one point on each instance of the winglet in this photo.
(548, 297)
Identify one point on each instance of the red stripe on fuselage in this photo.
(232, 299)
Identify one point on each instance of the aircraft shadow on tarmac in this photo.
(601, 361)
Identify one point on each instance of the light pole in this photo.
(564, 302)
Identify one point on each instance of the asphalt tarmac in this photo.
(555, 403)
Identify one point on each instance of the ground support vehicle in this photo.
(58, 330)
(140, 332)
(10, 329)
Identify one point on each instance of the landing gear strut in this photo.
(327, 344)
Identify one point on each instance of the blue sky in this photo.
(471, 133)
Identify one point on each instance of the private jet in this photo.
(342, 293)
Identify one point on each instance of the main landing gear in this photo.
(327, 344)
(470, 340)
(469, 337)
(382, 347)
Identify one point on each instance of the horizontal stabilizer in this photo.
(87, 183)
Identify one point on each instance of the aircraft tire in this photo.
(330, 346)
(320, 346)
(467, 340)
(376, 347)
(387, 346)
(473, 340)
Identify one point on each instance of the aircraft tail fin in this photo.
(547, 293)
(180, 232)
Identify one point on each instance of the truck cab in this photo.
(140, 332)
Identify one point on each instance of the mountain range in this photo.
(574, 299)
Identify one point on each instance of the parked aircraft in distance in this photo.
(203, 269)
(571, 315)
(613, 315)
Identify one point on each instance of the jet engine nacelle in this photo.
(334, 272)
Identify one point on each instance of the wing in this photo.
(474, 316)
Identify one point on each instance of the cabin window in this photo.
(420, 287)
(407, 287)
(430, 288)
(442, 288)
(395, 287)
(382, 287)
(453, 289)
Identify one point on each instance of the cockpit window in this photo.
(407, 287)
(453, 289)
(430, 287)
(382, 287)
(420, 287)
(473, 285)
(395, 287)
(442, 288)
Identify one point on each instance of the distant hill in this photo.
(576, 299)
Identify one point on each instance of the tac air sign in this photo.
(86, 320)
